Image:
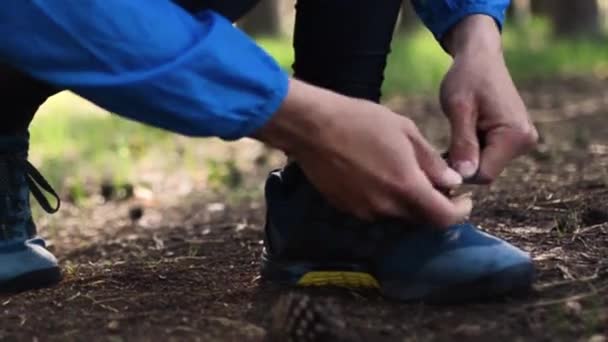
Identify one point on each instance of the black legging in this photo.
(340, 45)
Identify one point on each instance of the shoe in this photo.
(309, 243)
(25, 263)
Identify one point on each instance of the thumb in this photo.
(464, 144)
(433, 165)
(503, 145)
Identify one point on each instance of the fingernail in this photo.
(466, 169)
(451, 178)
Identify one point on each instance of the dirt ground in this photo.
(188, 269)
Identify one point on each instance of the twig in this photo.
(581, 231)
(566, 282)
(180, 258)
(537, 208)
(560, 201)
(107, 307)
(557, 301)
(129, 299)
(73, 297)
(564, 269)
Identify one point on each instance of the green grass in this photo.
(73, 142)
(532, 52)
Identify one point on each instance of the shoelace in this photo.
(37, 183)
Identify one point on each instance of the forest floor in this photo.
(162, 268)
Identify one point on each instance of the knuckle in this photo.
(409, 125)
(465, 142)
(527, 138)
(457, 104)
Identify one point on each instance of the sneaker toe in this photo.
(27, 266)
(465, 264)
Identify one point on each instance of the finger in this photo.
(464, 144)
(431, 162)
(503, 145)
(429, 205)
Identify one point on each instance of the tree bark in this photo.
(542, 7)
(520, 11)
(575, 18)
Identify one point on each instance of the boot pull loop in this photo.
(36, 181)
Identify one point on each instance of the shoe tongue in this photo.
(14, 143)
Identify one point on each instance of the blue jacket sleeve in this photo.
(440, 15)
(147, 60)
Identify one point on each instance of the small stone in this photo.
(468, 330)
(136, 212)
(573, 307)
(107, 190)
(597, 338)
(144, 194)
(216, 207)
(113, 325)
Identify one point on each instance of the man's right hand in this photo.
(364, 158)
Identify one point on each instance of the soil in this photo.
(187, 269)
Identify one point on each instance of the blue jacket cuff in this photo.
(441, 16)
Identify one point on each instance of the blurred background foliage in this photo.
(79, 146)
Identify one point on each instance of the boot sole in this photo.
(32, 280)
(513, 281)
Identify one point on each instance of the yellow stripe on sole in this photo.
(339, 279)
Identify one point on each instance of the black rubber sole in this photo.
(515, 281)
(32, 281)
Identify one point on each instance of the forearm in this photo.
(147, 60)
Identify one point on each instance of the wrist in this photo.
(475, 34)
(301, 121)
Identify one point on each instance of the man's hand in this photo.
(489, 121)
(364, 158)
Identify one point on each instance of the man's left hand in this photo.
(490, 125)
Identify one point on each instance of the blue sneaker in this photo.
(308, 243)
(25, 263)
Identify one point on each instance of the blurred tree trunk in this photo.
(542, 7)
(409, 20)
(603, 8)
(263, 20)
(521, 12)
(575, 18)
